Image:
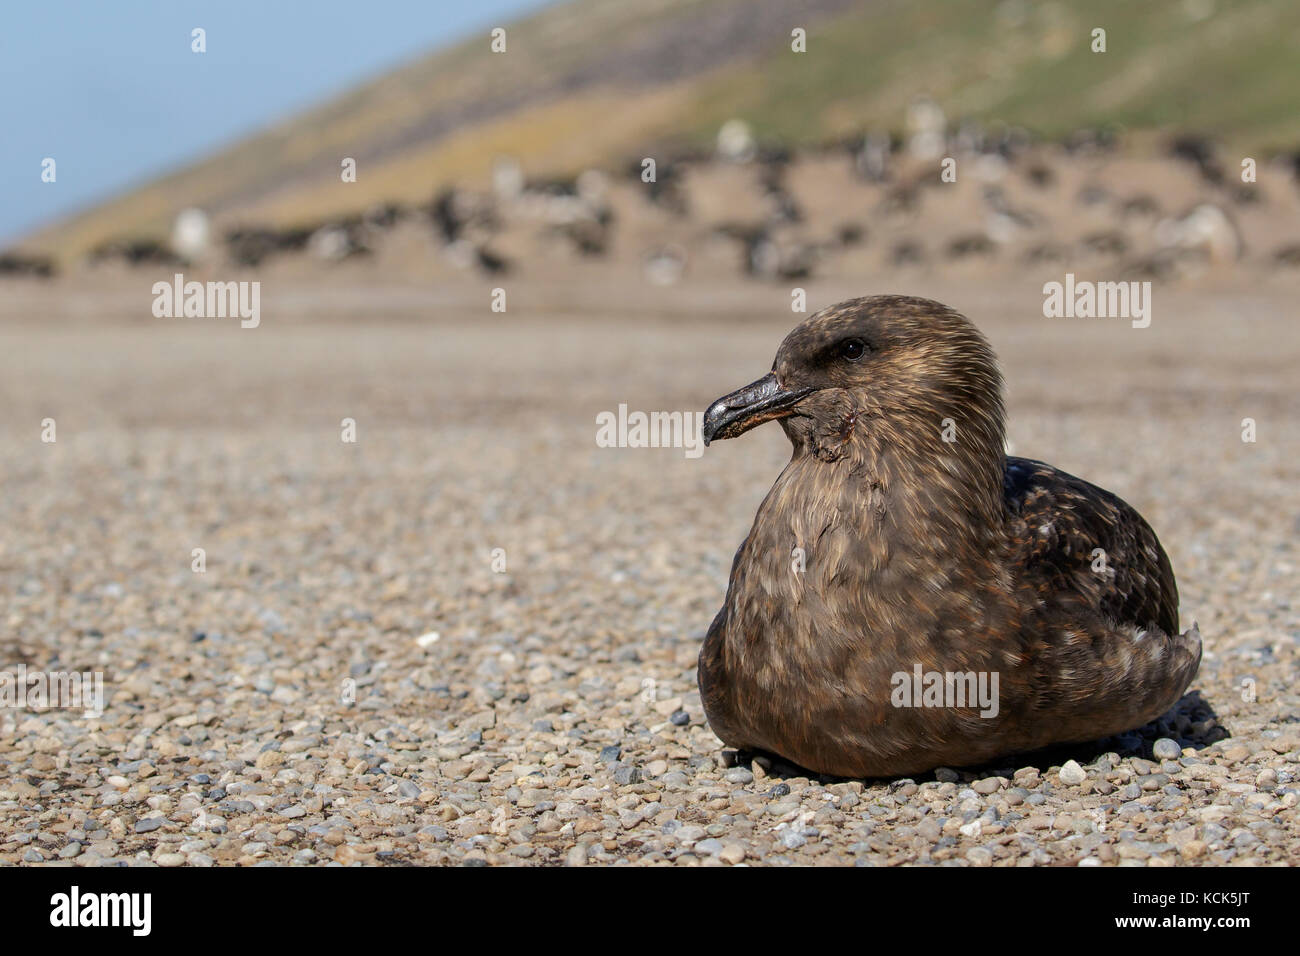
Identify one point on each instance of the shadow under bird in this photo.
(925, 550)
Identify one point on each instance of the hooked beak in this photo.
(758, 402)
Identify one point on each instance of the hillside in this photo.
(596, 82)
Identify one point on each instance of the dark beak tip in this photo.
(737, 412)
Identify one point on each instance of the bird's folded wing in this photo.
(1075, 539)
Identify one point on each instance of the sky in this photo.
(111, 91)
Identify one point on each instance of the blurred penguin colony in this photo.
(936, 196)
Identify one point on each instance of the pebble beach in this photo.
(469, 636)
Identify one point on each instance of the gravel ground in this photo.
(351, 680)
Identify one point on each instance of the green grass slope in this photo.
(593, 82)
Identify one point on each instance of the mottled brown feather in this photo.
(949, 555)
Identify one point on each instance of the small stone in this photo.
(686, 835)
(732, 853)
(148, 824)
(668, 707)
(1236, 753)
(980, 856)
(782, 808)
(791, 838)
(1027, 777)
(1072, 774)
(1166, 749)
(626, 776)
